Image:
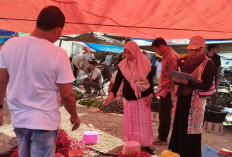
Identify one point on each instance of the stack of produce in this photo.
(141, 154)
(65, 143)
(112, 107)
(79, 95)
(90, 102)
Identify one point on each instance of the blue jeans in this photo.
(36, 143)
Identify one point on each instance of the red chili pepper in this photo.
(65, 143)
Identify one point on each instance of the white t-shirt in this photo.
(96, 75)
(35, 66)
(81, 61)
(158, 69)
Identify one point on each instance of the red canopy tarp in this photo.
(170, 19)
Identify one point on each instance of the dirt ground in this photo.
(110, 129)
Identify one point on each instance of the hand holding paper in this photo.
(181, 77)
(180, 80)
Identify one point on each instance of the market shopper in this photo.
(133, 69)
(94, 79)
(80, 62)
(165, 88)
(87, 51)
(118, 60)
(154, 61)
(190, 99)
(39, 77)
(212, 53)
(106, 72)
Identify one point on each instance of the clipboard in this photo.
(210, 152)
(181, 75)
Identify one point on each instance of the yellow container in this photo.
(167, 153)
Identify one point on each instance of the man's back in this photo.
(81, 60)
(35, 66)
(106, 74)
(39, 77)
(216, 60)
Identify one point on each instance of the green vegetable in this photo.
(90, 102)
(78, 95)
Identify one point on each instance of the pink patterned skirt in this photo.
(137, 122)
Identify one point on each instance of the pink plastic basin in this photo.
(131, 147)
(90, 137)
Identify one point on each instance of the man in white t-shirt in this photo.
(39, 77)
(94, 79)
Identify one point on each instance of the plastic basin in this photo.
(130, 147)
(214, 114)
(90, 137)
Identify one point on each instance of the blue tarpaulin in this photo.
(105, 48)
(2, 40)
(5, 35)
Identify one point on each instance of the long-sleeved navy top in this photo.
(128, 92)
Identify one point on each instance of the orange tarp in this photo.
(170, 19)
